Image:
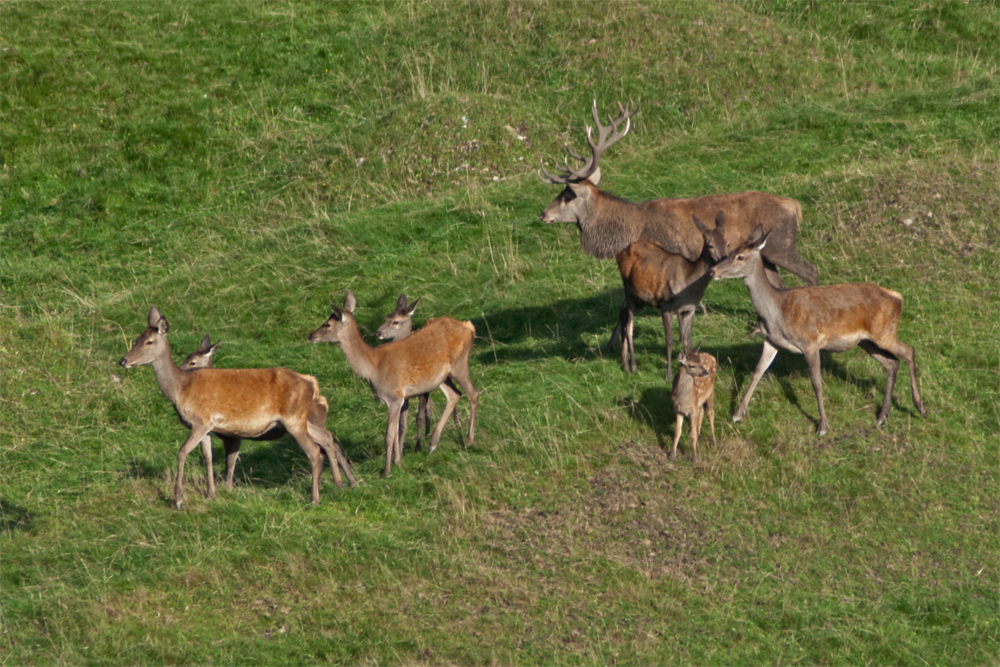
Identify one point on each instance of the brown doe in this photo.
(608, 224)
(202, 357)
(693, 395)
(834, 318)
(398, 325)
(666, 281)
(434, 357)
(246, 403)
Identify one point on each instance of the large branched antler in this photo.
(607, 135)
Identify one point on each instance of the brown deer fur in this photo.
(609, 224)
(238, 403)
(835, 318)
(398, 325)
(666, 281)
(693, 395)
(434, 357)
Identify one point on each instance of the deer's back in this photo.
(837, 317)
(653, 274)
(246, 402)
(420, 362)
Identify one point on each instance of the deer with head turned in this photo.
(398, 325)
(608, 224)
(434, 357)
(201, 357)
(693, 395)
(667, 281)
(238, 403)
(805, 320)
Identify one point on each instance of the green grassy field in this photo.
(243, 164)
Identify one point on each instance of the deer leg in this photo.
(617, 333)
(206, 455)
(451, 397)
(906, 353)
(678, 428)
(696, 416)
(460, 375)
(668, 336)
(710, 408)
(391, 434)
(403, 418)
(197, 433)
(301, 434)
(767, 356)
(422, 414)
(891, 364)
(628, 343)
(334, 452)
(232, 446)
(812, 359)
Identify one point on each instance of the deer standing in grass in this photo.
(806, 320)
(693, 395)
(434, 357)
(398, 325)
(667, 281)
(608, 224)
(252, 403)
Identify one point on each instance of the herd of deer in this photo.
(666, 256)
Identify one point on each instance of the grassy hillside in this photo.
(242, 164)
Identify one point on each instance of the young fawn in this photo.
(835, 318)
(238, 403)
(667, 281)
(434, 357)
(398, 325)
(693, 395)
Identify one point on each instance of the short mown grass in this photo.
(240, 165)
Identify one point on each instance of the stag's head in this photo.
(581, 183)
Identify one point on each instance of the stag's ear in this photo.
(350, 303)
(401, 302)
(581, 190)
(408, 310)
(595, 178)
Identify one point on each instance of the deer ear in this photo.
(720, 219)
(408, 310)
(755, 234)
(401, 302)
(581, 190)
(336, 313)
(205, 345)
(595, 178)
(157, 321)
(763, 242)
(697, 348)
(350, 303)
(212, 349)
(697, 223)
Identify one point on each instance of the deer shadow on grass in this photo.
(264, 464)
(15, 517)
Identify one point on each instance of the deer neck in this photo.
(607, 226)
(766, 298)
(360, 355)
(168, 375)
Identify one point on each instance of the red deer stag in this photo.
(434, 357)
(608, 224)
(834, 318)
(238, 403)
(693, 395)
(398, 325)
(667, 281)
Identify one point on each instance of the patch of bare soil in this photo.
(640, 511)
